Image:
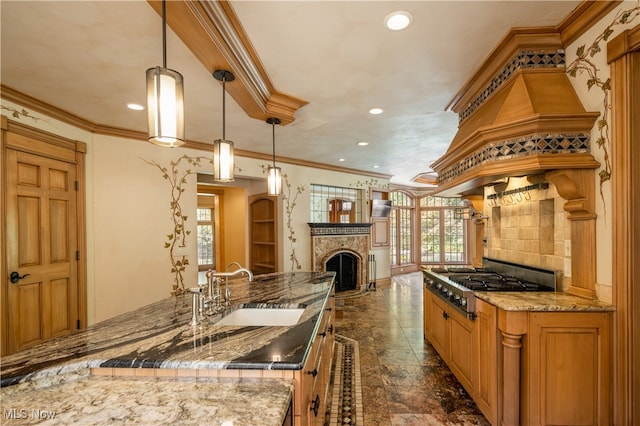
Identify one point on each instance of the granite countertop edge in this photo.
(130, 341)
(543, 302)
(79, 397)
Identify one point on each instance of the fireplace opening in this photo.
(345, 265)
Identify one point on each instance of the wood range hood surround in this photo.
(520, 116)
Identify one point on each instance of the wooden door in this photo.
(40, 297)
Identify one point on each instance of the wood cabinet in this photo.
(485, 353)
(451, 334)
(315, 377)
(263, 236)
(566, 378)
(527, 368)
(380, 233)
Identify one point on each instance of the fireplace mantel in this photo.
(339, 228)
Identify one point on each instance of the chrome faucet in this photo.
(227, 275)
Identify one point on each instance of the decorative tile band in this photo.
(522, 60)
(339, 228)
(527, 145)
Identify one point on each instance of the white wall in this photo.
(129, 217)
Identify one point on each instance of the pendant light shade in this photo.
(165, 100)
(274, 174)
(223, 161)
(274, 180)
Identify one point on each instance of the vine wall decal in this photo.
(289, 198)
(375, 183)
(584, 64)
(18, 114)
(178, 237)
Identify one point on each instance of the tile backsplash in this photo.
(528, 227)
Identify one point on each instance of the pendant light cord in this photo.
(224, 92)
(273, 127)
(164, 34)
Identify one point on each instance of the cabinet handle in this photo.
(315, 405)
(328, 309)
(445, 315)
(323, 334)
(313, 372)
(331, 329)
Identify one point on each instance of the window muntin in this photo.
(442, 235)
(205, 237)
(401, 222)
(334, 204)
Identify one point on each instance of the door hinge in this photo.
(77, 185)
(78, 324)
(77, 254)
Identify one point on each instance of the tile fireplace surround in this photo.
(329, 239)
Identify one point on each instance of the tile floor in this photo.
(404, 381)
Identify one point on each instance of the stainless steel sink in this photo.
(261, 317)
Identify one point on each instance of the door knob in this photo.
(15, 277)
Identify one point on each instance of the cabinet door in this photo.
(568, 381)
(461, 349)
(486, 360)
(380, 232)
(440, 327)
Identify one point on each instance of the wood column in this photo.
(623, 56)
(511, 346)
(577, 186)
(513, 325)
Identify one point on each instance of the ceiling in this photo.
(89, 58)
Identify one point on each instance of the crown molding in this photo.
(213, 33)
(583, 17)
(34, 104)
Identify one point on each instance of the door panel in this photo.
(41, 243)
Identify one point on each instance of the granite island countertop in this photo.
(98, 400)
(159, 335)
(542, 302)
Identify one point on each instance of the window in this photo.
(333, 204)
(401, 226)
(205, 216)
(442, 235)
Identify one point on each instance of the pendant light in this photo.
(165, 99)
(274, 174)
(222, 148)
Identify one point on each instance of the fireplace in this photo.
(343, 248)
(345, 265)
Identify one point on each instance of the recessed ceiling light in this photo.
(397, 21)
(135, 107)
(363, 143)
(376, 111)
(341, 159)
(375, 166)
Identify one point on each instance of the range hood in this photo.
(519, 115)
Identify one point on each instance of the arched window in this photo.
(401, 225)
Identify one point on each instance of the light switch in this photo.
(567, 248)
(567, 267)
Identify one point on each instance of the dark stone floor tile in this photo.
(397, 357)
